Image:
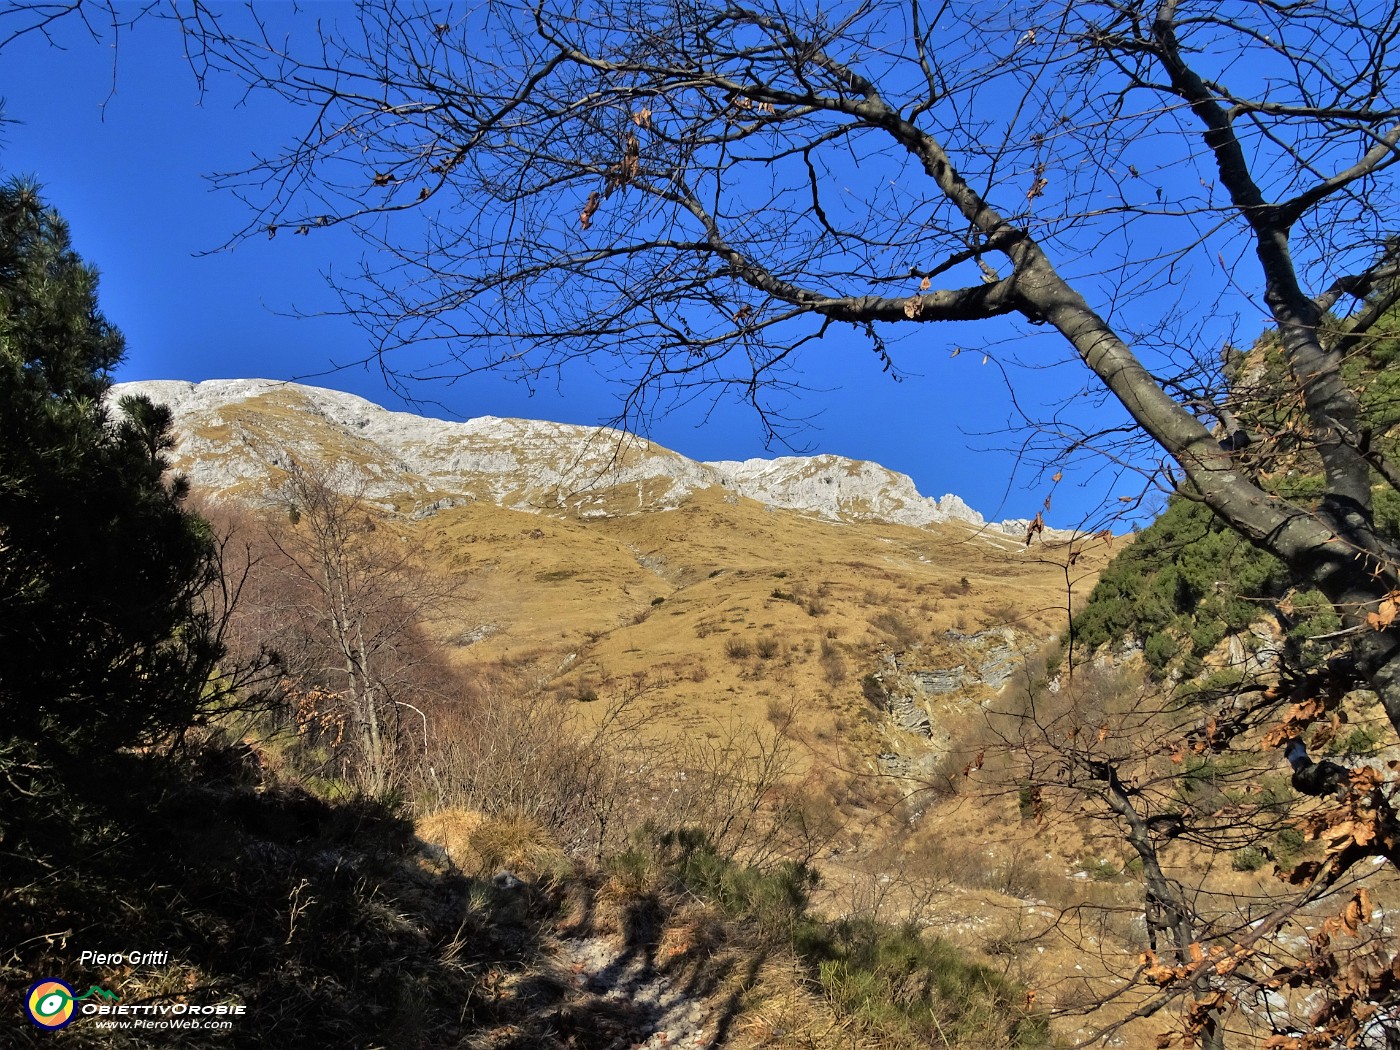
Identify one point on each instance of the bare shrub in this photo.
(535, 757)
(729, 783)
(901, 633)
(737, 649)
(833, 664)
(1004, 611)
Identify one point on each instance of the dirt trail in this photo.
(651, 1008)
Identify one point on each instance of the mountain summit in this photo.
(234, 433)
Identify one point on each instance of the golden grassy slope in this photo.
(722, 610)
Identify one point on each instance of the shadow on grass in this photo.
(322, 921)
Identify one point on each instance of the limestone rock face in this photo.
(841, 489)
(234, 435)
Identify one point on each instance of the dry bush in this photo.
(954, 859)
(833, 664)
(590, 783)
(727, 786)
(784, 1012)
(534, 757)
(1003, 612)
(809, 817)
(737, 649)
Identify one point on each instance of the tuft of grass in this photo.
(908, 990)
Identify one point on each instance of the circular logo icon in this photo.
(50, 1004)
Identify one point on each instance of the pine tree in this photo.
(105, 640)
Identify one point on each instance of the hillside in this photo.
(605, 563)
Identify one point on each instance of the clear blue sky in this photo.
(122, 153)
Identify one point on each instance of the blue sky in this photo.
(122, 141)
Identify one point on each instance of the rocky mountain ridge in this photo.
(230, 431)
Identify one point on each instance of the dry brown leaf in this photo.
(1323, 735)
(925, 284)
(1366, 779)
(590, 208)
(913, 306)
(1386, 612)
(1036, 526)
(1356, 914)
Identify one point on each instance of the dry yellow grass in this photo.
(481, 845)
(723, 611)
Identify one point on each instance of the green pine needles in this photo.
(106, 639)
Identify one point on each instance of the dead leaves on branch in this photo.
(625, 171)
(1363, 825)
(1385, 613)
(622, 174)
(1357, 913)
(1199, 1015)
(743, 102)
(1298, 717)
(1035, 528)
(1038, 186)
(619, 175)
(1213, 737)
(1355, 984)
(1219, 960)
(590, 209)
